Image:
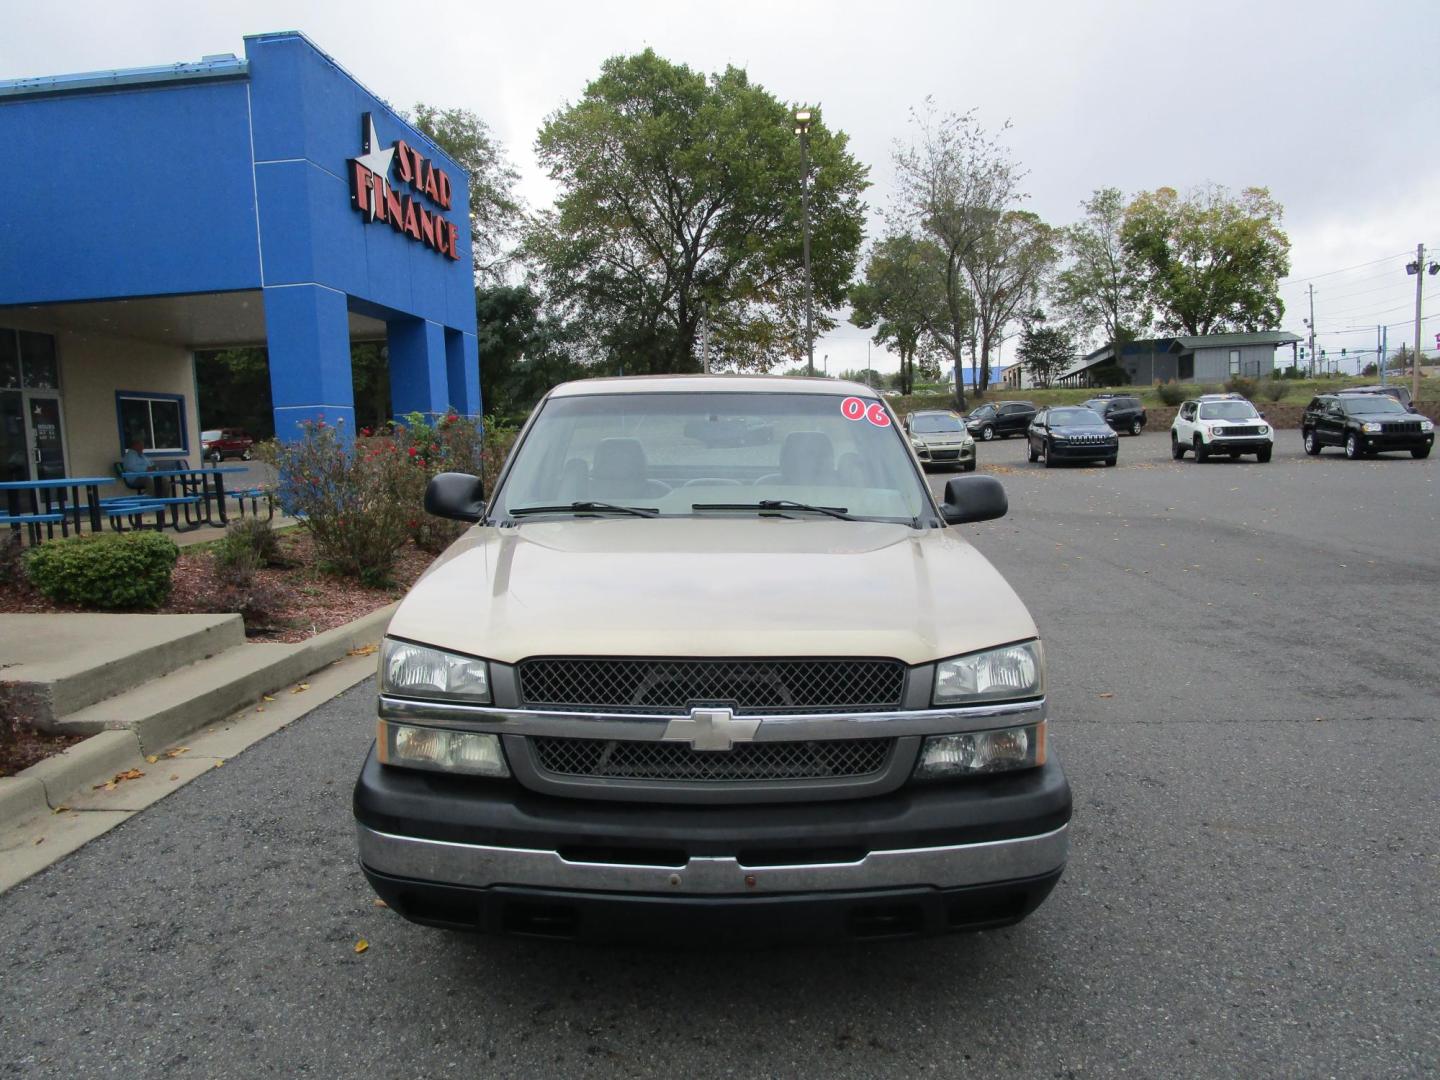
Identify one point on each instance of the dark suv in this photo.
(1121, 411)
(1364, 424)
(1000, 420)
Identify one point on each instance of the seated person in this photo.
(135, 461)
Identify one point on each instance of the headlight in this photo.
(946, 756)
(1372, 427)
(1427, 425)
(917, 444)
(1264, 430)
(440, 749)
(1016, 671)
(420, 672)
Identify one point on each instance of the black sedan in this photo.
(1072, 433)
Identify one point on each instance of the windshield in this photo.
(1075, 418)
(1227, 410)
(670, 451)
(1098, 405)
(984, 412)
(1371, 403)
(935, 423)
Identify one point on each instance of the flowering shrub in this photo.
(362, 502)
(353, 499)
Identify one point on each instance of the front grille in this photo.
(944, 455)
(1085, 439)
(676, 686)
(614, 759)
(1239, 431)
(1401, 427)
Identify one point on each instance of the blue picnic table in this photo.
(33, 503)
(196, 487)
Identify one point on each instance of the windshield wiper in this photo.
(777, 504)
(586, 507)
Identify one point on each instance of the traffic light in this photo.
(1343, 351)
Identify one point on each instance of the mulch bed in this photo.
(306, 600)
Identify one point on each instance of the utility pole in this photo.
(1380, 352)
(802, 128)
(1419, 265)
(1311, 324)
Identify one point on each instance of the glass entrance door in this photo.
(14, 438)
(47, 439)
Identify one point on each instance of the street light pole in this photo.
(802, 128)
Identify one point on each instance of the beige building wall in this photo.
(92, 368)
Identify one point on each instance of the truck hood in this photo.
(714, 586)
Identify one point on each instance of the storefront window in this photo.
(157, 421)
(9, 360)
(37, 361)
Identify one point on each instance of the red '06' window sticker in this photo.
(853, 408)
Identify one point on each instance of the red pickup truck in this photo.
(226, 442)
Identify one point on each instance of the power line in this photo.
(1343, 269)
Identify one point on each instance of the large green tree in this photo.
(1007, 270)
(679, 197)
(1045, 352)
(901, 298)
(1102, 290)
(954, 182)
(1211, 261)
(495, 210)
(523, 350)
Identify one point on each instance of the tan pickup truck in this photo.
(712, 662)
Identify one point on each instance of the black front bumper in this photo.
(431, 806)
(1381, 442)
(1083, 451)
(1239, 445)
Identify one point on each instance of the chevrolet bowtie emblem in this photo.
(710, 729)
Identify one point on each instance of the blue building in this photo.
(271, 201)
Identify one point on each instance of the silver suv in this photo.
(675, 684)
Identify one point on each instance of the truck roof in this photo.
(672, 384)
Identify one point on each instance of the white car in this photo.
(1221, 424)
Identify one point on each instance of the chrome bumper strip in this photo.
(651, 728)
(480, 866)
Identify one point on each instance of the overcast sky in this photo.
(1333, 106)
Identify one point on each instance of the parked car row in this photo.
(1362, 420)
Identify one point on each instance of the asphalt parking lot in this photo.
(1243, 678)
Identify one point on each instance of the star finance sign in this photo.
(371, 192)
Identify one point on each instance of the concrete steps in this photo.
(158, 676)
(169, 707)
(60, 664)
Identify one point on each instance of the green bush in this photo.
(1273, 389)
(247, 545)
(1243, 385)
(1170, 393)
(107, 572)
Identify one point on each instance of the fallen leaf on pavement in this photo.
(377, 902)
(219, 762)
(152, 758)
(267, 697)
(301, 688)
(364, 650)
(62, 808)
(39, 840)
(1107, 694)
(174, 776)
(361, 945)
(113, 782)
(177, 751)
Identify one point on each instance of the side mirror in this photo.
(973, 498)
(1262, 416)
(459, 496)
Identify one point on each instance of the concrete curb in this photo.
(20, 796)
(47, 784)
(92, 761)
